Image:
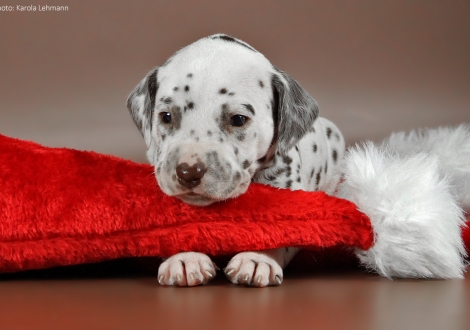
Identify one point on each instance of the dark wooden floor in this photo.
(114, 296)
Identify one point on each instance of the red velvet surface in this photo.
(63, 207)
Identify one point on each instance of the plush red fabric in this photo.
(63, 207)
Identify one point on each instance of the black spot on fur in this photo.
(163, 137)
(189, 75)
(222, 91)
(289, 184)
(191, 133)
(328, 132)
(312, 173)
(249, 107)
(326, 168)
(190, 105)
(337, 136)
(176, 89)
(289, 171)
(231, 94)
(315, 148)
(241, 136)
(209, 133)
(167, 100)
(186, 88)
(246, 164)
(230, 39)
(334, 154)
(286, 159)
(235, 150)
(270, 177)
(177, 117)
(298, 179)
(261, 84)
(237, 176)
(318, 177)
(225, 117)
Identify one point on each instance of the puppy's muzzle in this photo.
(190, 176)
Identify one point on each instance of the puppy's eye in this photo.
(166, 117)
(238, 120)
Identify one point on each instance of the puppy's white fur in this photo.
(411, 186)
(283, 143)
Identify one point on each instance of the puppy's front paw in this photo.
(254, 269)
(186, 269)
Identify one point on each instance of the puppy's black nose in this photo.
(190, 176)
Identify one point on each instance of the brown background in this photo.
(373, 66)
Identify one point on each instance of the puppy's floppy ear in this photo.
(294, 111)
(141, 104)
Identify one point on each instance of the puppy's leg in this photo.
(186, 269)
(260, 268)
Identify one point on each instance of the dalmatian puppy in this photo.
(218, 116)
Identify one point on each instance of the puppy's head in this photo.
(214, 114)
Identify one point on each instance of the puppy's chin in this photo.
(195, 199)
(203, 200)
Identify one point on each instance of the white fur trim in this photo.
(450, 144)
(416, 219)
